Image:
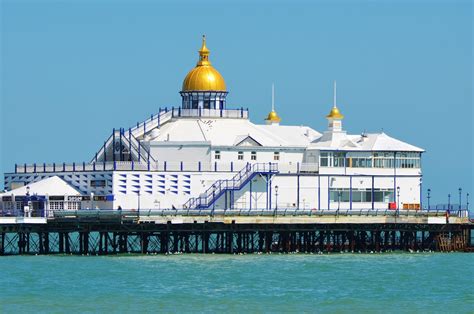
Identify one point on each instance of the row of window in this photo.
(240, 155)
(361, 195)
(377, 160)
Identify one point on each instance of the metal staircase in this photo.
(218, 188)
(130, 138)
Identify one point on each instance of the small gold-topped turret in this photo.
(335, 114)
(273, 117)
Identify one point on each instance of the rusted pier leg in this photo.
(46, 242)
(61, 242)
(67, 244)
(2, 243)
(40, 243)
(144, 242)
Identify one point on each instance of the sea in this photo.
(253, 283)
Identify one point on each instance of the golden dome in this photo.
(204, 77)
(335, 114)
(273, 117)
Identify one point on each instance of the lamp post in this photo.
(276, 199)
(449, 202)
(460, 198)
(28, 202)
(429, 195)
(398, 199)
(339, 200)
(92, 200)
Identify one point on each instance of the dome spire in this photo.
(273, 117)
(335, 113)
(203, 53)
(335, 116)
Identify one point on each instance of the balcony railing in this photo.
(162, 166)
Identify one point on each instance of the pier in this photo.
(102, 232)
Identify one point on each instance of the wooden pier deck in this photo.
(234, 231)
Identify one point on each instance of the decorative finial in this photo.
(335, 113)
(273, 97)
(273, 117)
(204, 53)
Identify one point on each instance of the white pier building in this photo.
(204, 155)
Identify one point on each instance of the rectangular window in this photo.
(338, 160)
(98, 183)
(253, 156)
(217, 155)
(276, 156)
(240, 155)
(324, 160)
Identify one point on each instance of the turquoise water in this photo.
(425, 282)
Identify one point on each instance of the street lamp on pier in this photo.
(429, 196)
(449, 202)
(398, 199)
(276, 199)
(467, 201)
(460, 198)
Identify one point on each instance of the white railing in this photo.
(170, 166)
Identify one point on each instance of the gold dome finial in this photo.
(204, 53)
(273, 117)
(204, 77)
(335, 113)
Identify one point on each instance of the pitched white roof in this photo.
(49, 186)
(230, 132)
(365, 142)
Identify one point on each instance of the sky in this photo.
(73, 70)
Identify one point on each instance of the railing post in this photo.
(24, 167)
(215, 166)
(133, 165)
(44, 167)
(181, 166)
(221, 112)
(64, 166)
(34, 167)
(73, 166)
(115, 165)
(83, 166)
(199, 166)
(231, 166)
(54, 167)
(172, 112)
(148, 164)
(103, 166)
(241, 112)
(139, 150)
(298, 167)
(164, 166)
(16, 168)
(93, 166)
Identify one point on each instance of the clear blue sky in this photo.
(73, 70)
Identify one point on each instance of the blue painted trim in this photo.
(329, 194)
(250, 191)
(319, 192)
(372, 195)
(350, 192)
(297, 191)
(270, 192)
